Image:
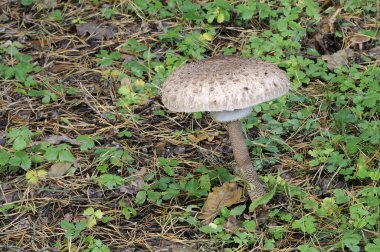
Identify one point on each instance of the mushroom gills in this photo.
(230, 116)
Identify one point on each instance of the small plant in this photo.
(128, 211)
(133, 45)
(307, 248)
(110, 181)
(219, 11)
(27, 2)
(108, 12)
(107, 58)
(59, 153)
(20, 66)
(47, 95)
(373, 247)
(73, 229)
(95, 245)
(33, 176)
(86, 142)
(20, 138)
(134, 94)
(92, 216)
(56, 15)
(246, 11)
(193, 45)
(305, 224)
(168, 165)
(114, 156)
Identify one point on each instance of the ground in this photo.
(91, 160)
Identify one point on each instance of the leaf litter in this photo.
(224, 196)
(97, 31)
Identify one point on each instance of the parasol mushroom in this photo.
(227, 87)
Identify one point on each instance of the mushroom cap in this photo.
(359, 39)
(223, 83)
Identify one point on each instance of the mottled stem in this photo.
(240, 150)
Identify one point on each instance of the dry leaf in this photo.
(170, 246)
(21, 116)
(46, 4)
(134, 186)
(3, 137)
(126, 81)
(226, 195)
(182, 248)
(9, 197)
(201, 137)
(39, 44)
(262, 214)
(58, 169)
(338, 59)
(3, 18)
(231, 225)
(60, 67)
(179, 150)
(160, 148)
(374, 52)
(95, 30)
(55, 139)
(144, 27)
(159, 25)
(197, 139)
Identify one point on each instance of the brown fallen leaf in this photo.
(134, 186)
(3, 18)
(231, 225)
(226, 195)
(198, 138)
(182, 248)
(374, 52)
(95, 30)
(46, 4)
(338, 59)
(22, 116)
(262, 214)
(39, 44)
(209, 136)
(3, 137)
(126, 81)
(60, 67)
(55, 139)
(9, 197)
(160, 148)
(179, 150)
(58, 169)
(169, 246)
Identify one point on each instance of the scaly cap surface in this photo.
(223, 83)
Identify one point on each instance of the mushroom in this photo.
(359, 39)
(227, 87)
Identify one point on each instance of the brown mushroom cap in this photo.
(359, 39)
(223, 83)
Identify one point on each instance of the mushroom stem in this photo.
(241, 154)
